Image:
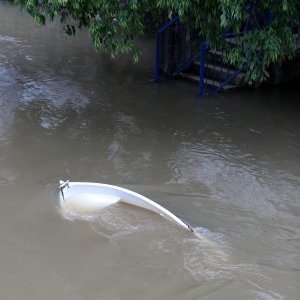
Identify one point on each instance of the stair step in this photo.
(219, 73)
(218, 68)
(208, 81)
(220, 55)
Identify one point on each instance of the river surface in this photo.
(229, 165)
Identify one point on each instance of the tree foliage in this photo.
(114, 24)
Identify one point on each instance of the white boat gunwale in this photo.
(125, 195)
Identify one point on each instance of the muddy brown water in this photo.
(229, 165)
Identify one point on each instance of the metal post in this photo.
(161, 30)
(157, 63)
(202, 64)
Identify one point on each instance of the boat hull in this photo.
(93, 196)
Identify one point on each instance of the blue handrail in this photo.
(184, 56)
(202, 68)
(188, 63)
(158, 34)
(235, 74)
(168, 24)
(185, 62)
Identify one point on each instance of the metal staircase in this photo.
(178, 54)
(217, 75)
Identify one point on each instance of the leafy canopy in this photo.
(113, 25)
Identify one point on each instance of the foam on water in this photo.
(11, 39)
(155, 242)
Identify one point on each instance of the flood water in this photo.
(229, 165)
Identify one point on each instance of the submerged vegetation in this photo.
(113, 25)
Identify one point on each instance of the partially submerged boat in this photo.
(95, 196)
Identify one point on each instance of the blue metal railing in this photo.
(158, 45)
(202, 69)
(230, 78)
(175, 52)
(214, 71)
(187, 54)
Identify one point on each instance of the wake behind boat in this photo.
(95, 196)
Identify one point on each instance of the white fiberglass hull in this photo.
(94, 196)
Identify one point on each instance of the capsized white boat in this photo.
(93, 196)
